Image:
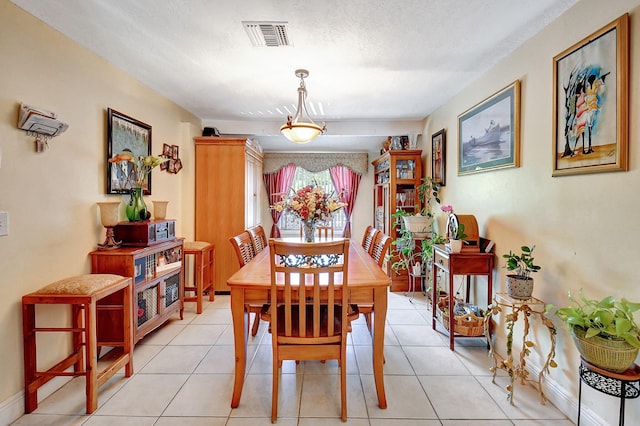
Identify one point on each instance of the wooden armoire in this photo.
(228, 190)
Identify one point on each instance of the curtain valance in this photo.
(316, 161)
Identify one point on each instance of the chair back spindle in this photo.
(367, 239)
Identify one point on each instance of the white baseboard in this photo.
(566, 403)
(12, 408)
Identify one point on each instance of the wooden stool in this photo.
(83, 293)
(203, 266)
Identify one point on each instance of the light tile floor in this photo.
(184, 376)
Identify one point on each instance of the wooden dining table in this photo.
(368, 285)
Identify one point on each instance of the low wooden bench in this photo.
(83, 293)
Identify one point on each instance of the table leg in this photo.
(579, 399)
(623, 393)
(451, 313)
(434, 292)
(240, 319)
(379, 319)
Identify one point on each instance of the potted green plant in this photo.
(604, 331)
(520, 284)
(406, 252)
(428, 194)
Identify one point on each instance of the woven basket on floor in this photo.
(468, 325)
(615, 355)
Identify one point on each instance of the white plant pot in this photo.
(519, 287)
(419, 225)
(455, 245)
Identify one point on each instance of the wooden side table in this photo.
(621, 385)
(519, 309)
(463, 263)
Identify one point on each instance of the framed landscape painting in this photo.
(591, 103)
(489, 133)
(125, 135)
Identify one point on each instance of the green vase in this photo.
(136, 209)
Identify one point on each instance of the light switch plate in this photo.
(4, 223)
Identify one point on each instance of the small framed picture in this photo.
(178, 165)
(165, 165)
(167, 151)
(438, 157)
(175, 150)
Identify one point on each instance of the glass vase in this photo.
(309, 231)
(136, 209)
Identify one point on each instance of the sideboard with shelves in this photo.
(158, 277)
(397, 175)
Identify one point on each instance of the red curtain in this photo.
(278, 184)
(346, 182)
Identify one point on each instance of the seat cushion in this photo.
(195, 245)
(84, 285)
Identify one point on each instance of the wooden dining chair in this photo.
(325, 230)
(259, 238)
(380, 246)
(368, 237)
(243, 244)
(310, 322)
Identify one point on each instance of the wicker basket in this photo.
(615, 355)
(468, 325)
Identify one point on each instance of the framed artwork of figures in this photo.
(438, 157)
(591, 103)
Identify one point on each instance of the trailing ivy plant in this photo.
(428, 194)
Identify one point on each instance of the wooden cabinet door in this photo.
(221, 201)
(253, 191)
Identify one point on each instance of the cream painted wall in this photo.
(51, 197)
(585, 227)
(55, 222)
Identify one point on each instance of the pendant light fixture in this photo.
(296, 129)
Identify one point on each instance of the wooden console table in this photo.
(519, 309)
(157, 272)
(463, 263)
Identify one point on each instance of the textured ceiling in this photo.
(369, 60)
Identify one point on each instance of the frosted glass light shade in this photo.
(109, 213)
(301, 132)
(160, 209)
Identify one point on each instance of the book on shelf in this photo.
(486, 246)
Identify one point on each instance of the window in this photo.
(289, 223)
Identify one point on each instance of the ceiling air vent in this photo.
(269, 34)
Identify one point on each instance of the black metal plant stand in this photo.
(621, 385)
